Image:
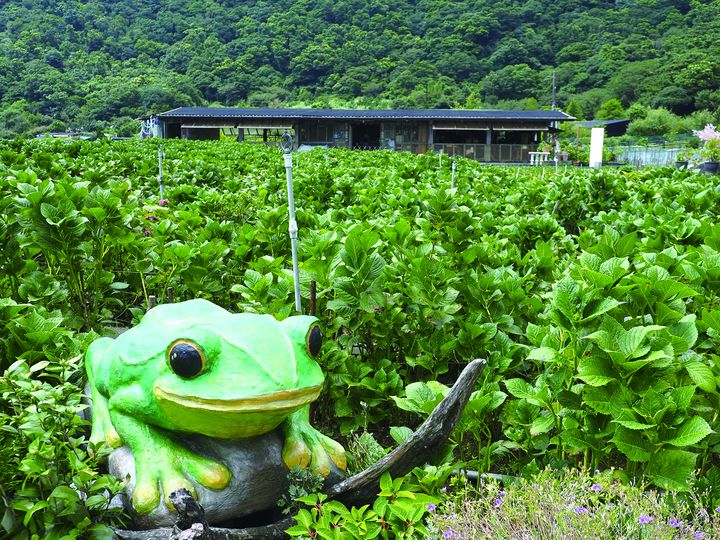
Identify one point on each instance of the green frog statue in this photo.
(194, 369)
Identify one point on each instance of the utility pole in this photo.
(554, 124)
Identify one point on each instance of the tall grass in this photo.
(572, 505)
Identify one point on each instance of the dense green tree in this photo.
(612, 109)
(673, 98)
(515, 82)
(637, 111)
(698, 120)
(82, 61)
(591, 100)
(574, 109)
(17, 119)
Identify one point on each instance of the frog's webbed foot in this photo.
(305, 446)
(167, 472)
(161, 463)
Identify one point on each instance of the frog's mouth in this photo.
(276, 401)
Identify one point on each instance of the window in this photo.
(330, 133)
(264, 135)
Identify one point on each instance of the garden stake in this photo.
(287, 144)
(313, 297)
(452, 177)
(161, 156)
(171, 295)
(152, 301)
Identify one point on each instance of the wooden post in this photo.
(313, 297)
(152, 301)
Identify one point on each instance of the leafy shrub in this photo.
(657, 122)
(301, 483)
(362, 451)
(50, 487)
(398, 512)
(531, 269)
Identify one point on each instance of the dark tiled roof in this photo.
(341, 114)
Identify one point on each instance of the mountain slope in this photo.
(84, 62)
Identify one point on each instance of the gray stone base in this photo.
(259, 479)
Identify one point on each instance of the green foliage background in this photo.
(594, 295)
(96, 64)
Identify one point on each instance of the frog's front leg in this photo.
(162, 462)
(306, 446)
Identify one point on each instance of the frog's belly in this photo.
(232, 419)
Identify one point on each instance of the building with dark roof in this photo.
(485, 135)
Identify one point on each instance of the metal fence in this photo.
(639, 156)
(497, 153)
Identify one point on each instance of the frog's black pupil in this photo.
(314, 340)
(185, 360)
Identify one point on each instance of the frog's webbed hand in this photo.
(162, 462)
(306, 446)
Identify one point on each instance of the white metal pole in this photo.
(161, 155)
(452, 178)
(293, 228)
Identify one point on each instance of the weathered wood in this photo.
(275, 531)
(191, 522)
(363, 487)
(420, 447)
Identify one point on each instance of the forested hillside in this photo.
(73, 63)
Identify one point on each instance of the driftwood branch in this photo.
(275, 531)
(362, 488)
(419, 448)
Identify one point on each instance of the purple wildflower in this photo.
(596, 487)
(502, 493)
(163, 202)
(674, 523)
(443, 489)
(645, 520)
(698, 535)
(448, 533)
(597, 471)
(710, 132)
(431, 507)
(147, 232)
(497, 503)
(717, 509)
(580, 510)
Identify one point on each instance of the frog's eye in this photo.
(314, 339)
(186, 359)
